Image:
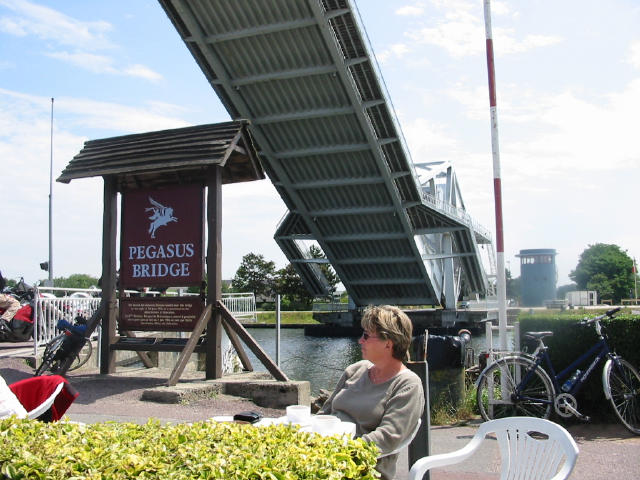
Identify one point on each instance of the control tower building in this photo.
(538, 276)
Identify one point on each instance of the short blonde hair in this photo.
(390, 323)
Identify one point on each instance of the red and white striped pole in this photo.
(497, 183)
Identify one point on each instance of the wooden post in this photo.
(214, 272)
(235, 341)
(420, 446)
(190, 346)
(257, 350)
(109, 232)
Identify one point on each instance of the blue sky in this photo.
(568, 83)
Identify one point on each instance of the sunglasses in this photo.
(366, 336)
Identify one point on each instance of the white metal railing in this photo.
(241, 305)
(494, 352)
(330, 307)
(457, 213)
(49, 310)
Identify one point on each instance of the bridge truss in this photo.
(302, 74)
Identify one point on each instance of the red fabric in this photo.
(24, 314)
(35, 390)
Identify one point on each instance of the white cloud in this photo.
(411, 10)
(633, 57)
(142, 72)
(58, 28)
(505, 43)
(88, 61)
(500, 8)
(112, 116)
(461, 31)
(104, 64)
(18, 107)
(561, 132)
(429, 141)
(397, 50)
(460, 35)
(12, 27)
(49, 24)
(465, 36)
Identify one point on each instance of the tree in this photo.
(512, 286)
(326, 269)
(76, 280)
(255, 274)
(290, 286)
(562, 290)
(606, 269)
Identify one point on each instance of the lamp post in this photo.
(50, 265)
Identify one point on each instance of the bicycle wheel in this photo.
(49, 361)
(83, 356)
(623, 382)
(497, 396)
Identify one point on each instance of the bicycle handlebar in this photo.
(608, 313)
(612, 311)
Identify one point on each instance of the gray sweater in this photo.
(385, 413)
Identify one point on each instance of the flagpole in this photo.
(497, 182)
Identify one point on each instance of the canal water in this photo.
(320, 360)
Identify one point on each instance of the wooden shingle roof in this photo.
(181, 155)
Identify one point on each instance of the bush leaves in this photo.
(30, 449)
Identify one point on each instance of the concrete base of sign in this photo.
(260, 388)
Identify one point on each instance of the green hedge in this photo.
(570, 340)
(31, 449)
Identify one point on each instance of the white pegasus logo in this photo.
(161, 216)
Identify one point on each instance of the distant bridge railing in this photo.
(457, 213)
(330, 307)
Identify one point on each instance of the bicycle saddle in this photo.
(538, 335)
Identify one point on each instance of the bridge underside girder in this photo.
(301, 73)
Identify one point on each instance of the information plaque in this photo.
(165, 314)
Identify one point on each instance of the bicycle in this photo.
(64, 344)
(518, 385)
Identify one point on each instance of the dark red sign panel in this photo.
(165, 314)
(162, 237)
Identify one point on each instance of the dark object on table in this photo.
(248, 416)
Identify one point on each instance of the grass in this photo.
(298, 318)
(445, 412)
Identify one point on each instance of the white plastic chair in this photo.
(406, 442)
(530, 449)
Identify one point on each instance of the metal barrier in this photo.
(48, 310)
(330, 307)
(493, 353)
(241, 305)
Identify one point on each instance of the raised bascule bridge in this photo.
(301, 72)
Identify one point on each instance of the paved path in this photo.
(606, 451)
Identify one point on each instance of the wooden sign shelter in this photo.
(179, 162)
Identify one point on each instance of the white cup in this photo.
(326, 424)
(300, 414)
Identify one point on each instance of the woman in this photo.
(380, 394)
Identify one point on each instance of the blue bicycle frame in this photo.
(599, 351)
